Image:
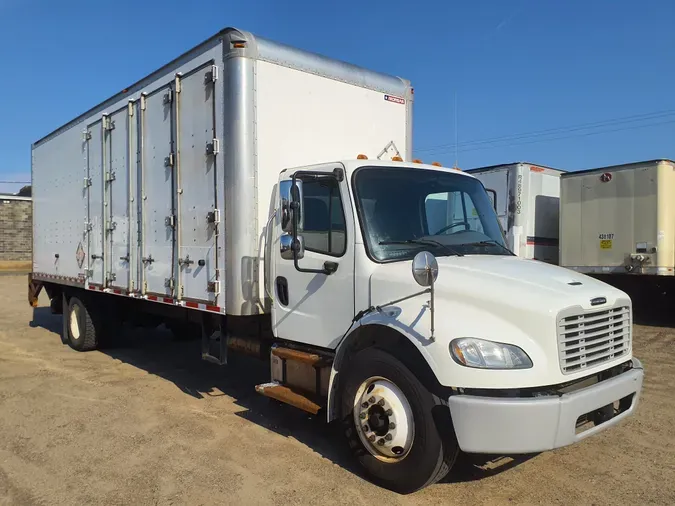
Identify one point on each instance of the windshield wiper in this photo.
(424, 241)
(491, 242)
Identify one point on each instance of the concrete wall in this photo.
(16, 218)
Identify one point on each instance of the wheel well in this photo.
(398, 345)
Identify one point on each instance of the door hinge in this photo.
(87, 227)
(108, 124)
(168, 283)
(213, 287)
(168, 97)
(111, 277)
(176, 81)
(213, 217)
(87, 182)
(86, 135)
(130, 108)
(213, 147)
(111, 226)
(143, 100)
(212, 75)
(170, 221)
(169, 160)
(109, 177)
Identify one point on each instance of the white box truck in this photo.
(526, 198)
(618, 223)
(236, 189)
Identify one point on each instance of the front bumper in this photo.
(505, 426)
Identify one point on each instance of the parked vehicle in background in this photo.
(237, 190)
(618, 223)
(526, 198)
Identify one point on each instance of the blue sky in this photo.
(600, 72)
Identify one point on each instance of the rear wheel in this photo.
(80, 326)
(396, 428)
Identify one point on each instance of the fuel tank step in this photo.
(287, 395)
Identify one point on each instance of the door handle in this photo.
(147, 260)
(96, 257)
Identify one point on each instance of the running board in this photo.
(286, 395)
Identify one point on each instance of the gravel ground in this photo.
(150, 423)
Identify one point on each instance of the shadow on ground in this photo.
(156, 352)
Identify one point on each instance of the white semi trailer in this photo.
(527, 200)
(224, 190)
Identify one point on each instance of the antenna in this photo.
(456, 136)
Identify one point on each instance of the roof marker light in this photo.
(362, 157)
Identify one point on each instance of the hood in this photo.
(499, 298)
(503, 279)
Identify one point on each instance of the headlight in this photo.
(482, 354)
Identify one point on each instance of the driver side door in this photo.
(311, 307)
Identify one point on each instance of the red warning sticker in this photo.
(396, 100)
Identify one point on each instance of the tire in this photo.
(83, 334)
(429, 447)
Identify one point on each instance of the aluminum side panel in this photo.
(158, 201)
(197, 186)
(118, 200)
(95, 205)
(60, 205)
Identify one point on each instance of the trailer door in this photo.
(117, 193)
(197, 214)
(158, 160)
(497, 185)
(95, 213)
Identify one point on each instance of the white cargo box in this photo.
(526, 198)
(164, 190)
(619, 219)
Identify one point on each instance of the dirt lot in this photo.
(150, 423)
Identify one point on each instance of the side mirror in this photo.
(291, 248)
(425, 268)
(290, 205)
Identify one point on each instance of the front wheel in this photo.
(396, 428)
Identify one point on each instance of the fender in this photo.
(368, 327)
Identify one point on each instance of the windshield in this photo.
(404, 210)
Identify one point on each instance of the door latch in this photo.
(125, 258)
(96, 257)
(185, 261)
(148, 259)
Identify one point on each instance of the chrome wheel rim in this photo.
(384, 419)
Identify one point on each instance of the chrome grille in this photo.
(588, 339)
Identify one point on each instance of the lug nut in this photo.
(388, 437)
(362, 416)
(389, 412)
(380, 402)
(371, 438)
(392, 426)
(372, 400)
(366, 428)
(380, 441)
(364, 405)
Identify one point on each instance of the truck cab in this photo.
(436, 337)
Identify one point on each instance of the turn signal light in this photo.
(436, 164)
(362, 157)
(417, 160)
(396, 159)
